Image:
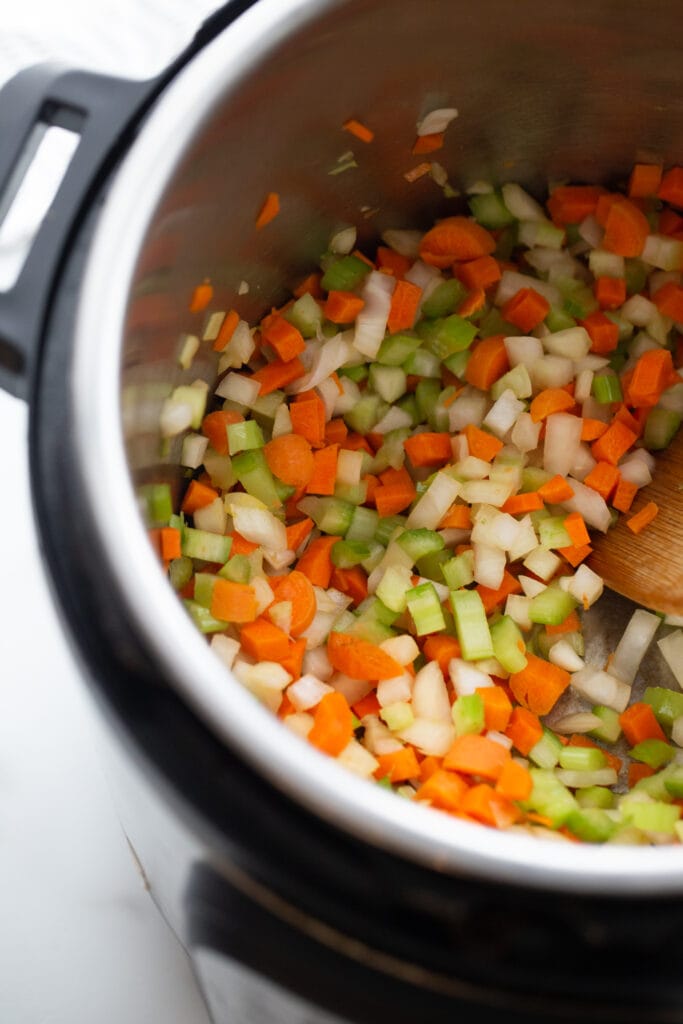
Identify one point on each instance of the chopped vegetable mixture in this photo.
(387, 532)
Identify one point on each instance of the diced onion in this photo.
(633, 645)
(601, 687)
(436, 121)
(562, 440)
(671, 647)
(307, 692)
(343, 241)
(371, 322)
(403, 241)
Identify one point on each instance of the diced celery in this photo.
(457, 363)
(427, 395)
(253, 472)
(158, 502)
(636, 274)
(374, 608)
(393, 588)
(388, 381)
(458, 572)
(490, 210)
(674, 781)
(508, 644)
(582, 759)
(559, 319)
(306, 315)
(420, 542)
(195, 397)
(595, 796)
(203, 619)
(395, 349)
(546, 751)
(369, 629)
(345, 274)
(237, 569)
(660, 428)
(180, 572)
(552, 533)
(423, 363)
(516, 380)
(438, 414)
(266, 406)
(398, 716)
(655, 786)
(655, 753)
(356, 494)
(606, 388)
(392, 453)
(363, 524)
(209, 547)
(471, 626)
(578, 299)
(347, 553)
(468, 714)
(356, 373)
(652, 816)
(425, 609)
(445, 298)
(550, 798)
(591, 824)
(409, 405)
(430, 565)
(552, 606)
(540, 232)
(333, 516)
(609, 730)
(494, 323)
(533, 477)
(446, 335)
(283, 491)
(666, 704)
(366, 412)
(387, 526)
(377, 552)
(204, 583)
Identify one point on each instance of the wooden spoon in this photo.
(648, 567)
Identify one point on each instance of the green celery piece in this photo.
(425, 609)
(345, 274)
(366, 413)
(377, 552)
(252, 470)
(347, 553)
(494, 323)
(395, 349)
(370, 629)
(582, 759)
(423, 363)
(389, 382)
(552, 606)
(306, 315)
(265, 407)
(636, 274)
(666, 704)
(490, 211)
(468, 714)
(609, 730)
(394, 586)
(559, 319)
(373, 608)
(387, 526)
(674, 781)
(427, 395)
(591, 824)
(660, 428)
(508, 644)
(606, 388)
(409, 404)
(552, 534)
(355, 373)
(180, 572)
(421, 542)
(457, 363)
(208, 547)
(652, 816)
(550, 798)
(204, 583)
(578, 299)
(445, 298)
(533, 477)
(356, 494)
(203, 619)
(158, 503)
(546, 751)
(506, 243)
(284, 491)
(237, 569)
(595, 796)
(244, 436)
(330, 515)
(471, 626)
(363, 524)
(392, 453)
(438, 415)
(430, 565)
(458, 572)
(655, 753)
(446, 335)
(516, 380)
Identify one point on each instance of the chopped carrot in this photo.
(355, 442)
(572, 624)
(417, 172)
(671, 188)
(592, 429)
(226, 330)
(476, 755)
(640, 520)
(308, 417)
(603, 478)
(651, 375)
(428, 449)
(290, 459)
(352, 582)
(550, 401)
(360, 659)
(458, 517)
(570, 204)
(638, 723)
(480, 273)
(405, 301)
(455, 238)
(371, 484)
(519, 504)
(525, 729)
(644, 181)
(637, 771)
(309, 286)
(368, 705)
(481, 444)
(576, 555)
(324, 475)
(284, 338)
(297, 588)
(336, 432)
(626, 229)
(487, 362)
(240, 545)
(610, 292)
(442, 789)
(497, 707)
(233, 602)
(472, 302)
(576, 528)
(428, 143)
(316, 562)
(269, 210)
(623, 415)
(482, 803)
(624, 495)
(169, 540)
(358, 129)
(392, 262)
(441, 648)
(332, 729)
(614, 443)
(580, 740)
(264, 641)
(514, 781)
(215, 427)
(428, 766)
(539, 686)
(198, 496)
(392, 498)
(491, 598)
(297, 533)
(277, 375)
(526, 309)
(556, 490)
(342, 307)
(201, 297)
(603, 333)
(398, 766)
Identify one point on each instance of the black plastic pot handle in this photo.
(105, 112)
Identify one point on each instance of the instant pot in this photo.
(305, 895)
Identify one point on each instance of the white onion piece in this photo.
(378, 738)
(466, 678)
(672, 399)
(530, 586)
(584, 462)
(430, 696)
(194, 448)
(637, 467)
(330, 356)
(671, 647)
(488, 492)
(499, 529)
(606, 264)
(503, 413)
(355, 758)
(591, 231)
(511, 282)
(551, 261)
(523, 349)
(632, 647)
(436, 121)
(391, 691)
(282, 424)
(392, 420)
(585, 586)
(307, 692)
(318, 664)
(319, 629)
(562, 441)
(600, 687)
(240, 389)
(402, 648)
(225, 648)
(470, 407)
(589, 503)
(349, 467)
(563, 654)
(404, 241)
(520, 204)
(582, 721)
(353, 689)
(663, 252)
(472, 468)
(175, 417)
(257, 524)
(551, 372)
(525, 433)
(280, 613)
(590, 362)
(542, 563)
(573, 342)
(371, 322)
(517, 607)
(211, 517)
(489, 565)
(584, 384)
(343, 241)
(434, 503)
(525, 541)
(430, 737)
(638, 311)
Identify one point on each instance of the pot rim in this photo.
(400, 827)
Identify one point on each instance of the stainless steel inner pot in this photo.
(545, 91)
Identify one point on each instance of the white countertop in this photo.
(80, 940)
